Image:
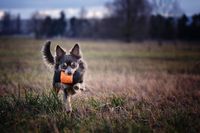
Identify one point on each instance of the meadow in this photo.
(136, 87)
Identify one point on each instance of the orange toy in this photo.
(66, 79)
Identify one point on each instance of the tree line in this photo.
(128, 20)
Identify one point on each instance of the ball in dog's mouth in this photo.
(65, 78)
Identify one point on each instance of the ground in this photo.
(135, 87)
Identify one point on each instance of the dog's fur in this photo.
(70, 63)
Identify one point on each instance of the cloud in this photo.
(90, 12)
(97, 12)
(1, 14)
(50, 4)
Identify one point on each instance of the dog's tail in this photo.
(48, 57)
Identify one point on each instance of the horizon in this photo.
(93, 8)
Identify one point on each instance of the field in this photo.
(137, 87)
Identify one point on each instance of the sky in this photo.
(95, 8)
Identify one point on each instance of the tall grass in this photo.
(138, 87)
(45, 113)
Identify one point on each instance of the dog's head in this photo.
(68, 63)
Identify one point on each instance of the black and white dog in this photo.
(71, 63)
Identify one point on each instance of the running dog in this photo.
(70, 63)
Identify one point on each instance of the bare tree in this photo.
(83, 13)
(129, 13)
(35, 24)
(166, 8)
(6, 24)
(18, 24)
(61, 24)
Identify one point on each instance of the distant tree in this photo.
(73, 27)
(47, 28)
(127, 14)
(61, 24)
(183, 27)
(195, 27)
(86, 26)
(157, 24)
(18, 24)
(35, 25)
(6, 24)
(83, 13)
(10, 24)
(167, 9)
(169, 29)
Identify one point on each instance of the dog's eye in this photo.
(73, 64)
(64, 65)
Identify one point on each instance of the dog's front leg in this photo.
(79, 86)
(67, 102)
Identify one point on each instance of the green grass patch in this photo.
(45, 113)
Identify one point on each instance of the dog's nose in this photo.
(69, 73)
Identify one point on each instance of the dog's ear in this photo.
(59, 51)
(75, 51)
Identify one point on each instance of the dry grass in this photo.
(138, 87)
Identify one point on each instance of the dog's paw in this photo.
(82, 89)
(76, 87)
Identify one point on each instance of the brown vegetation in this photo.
(131, 87)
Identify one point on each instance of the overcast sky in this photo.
(41, 4)
(95, 7)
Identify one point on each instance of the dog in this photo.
(70, 63)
